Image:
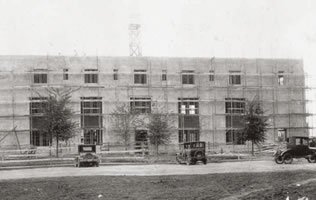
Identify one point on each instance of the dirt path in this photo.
(236, 197)
(155, 170)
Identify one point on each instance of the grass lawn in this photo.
(274, 185)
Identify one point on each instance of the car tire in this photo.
(288, 158)
(312, 159)
(279, 159)
(205, 161)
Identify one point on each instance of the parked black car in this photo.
(87, 156)
(297, 147)
(191, 153)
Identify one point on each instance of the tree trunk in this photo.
(252, 150)
(126, 140)
(57, 146)
(156, 148)
(50, 145)
(125, 144)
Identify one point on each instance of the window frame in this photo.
(141, 105)
(40, 78)
(235, 105)
(211, 76)
(164, 75)
(189, 135)
(91, 76)
(36, 111)
(91, 107)
(65, 74)
(140, 77)
(233, 137)
(187, 77)
(235, 77)
(281, 78)
(115, 74)
(96, 135)
(234, 108)
(185, 106)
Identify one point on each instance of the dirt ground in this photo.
(265, 185)
(157, 169)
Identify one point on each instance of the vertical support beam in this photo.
(274, 101)
(214, 104)
(289, 96)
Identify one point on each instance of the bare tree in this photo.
(124, 122)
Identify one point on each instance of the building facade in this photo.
(204, 96)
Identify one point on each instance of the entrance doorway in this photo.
(282, 135)
(141, 139)
(92, 136)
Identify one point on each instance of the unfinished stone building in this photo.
(206, 96)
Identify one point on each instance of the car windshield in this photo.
(198, 145)
(299, 141)
(305, 141)
(86, 148)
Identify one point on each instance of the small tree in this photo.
(255, 123)
(160, 129)
(57, 116)
(124, 121)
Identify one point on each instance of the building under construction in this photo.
(206, 96)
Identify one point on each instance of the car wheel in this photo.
(312, 159)
(279, 159)
(288, 158)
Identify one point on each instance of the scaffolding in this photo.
(289, 106)
(134, 37)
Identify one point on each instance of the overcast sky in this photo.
(197, 28)
(203, 28)
(188, 28)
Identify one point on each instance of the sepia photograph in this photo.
(157, 99)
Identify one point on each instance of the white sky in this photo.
(197, 28)
(188, 28)
(183, 28)
(203, 28)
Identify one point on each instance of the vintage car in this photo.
(87, 156)
(191, 153)
(297, 147)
